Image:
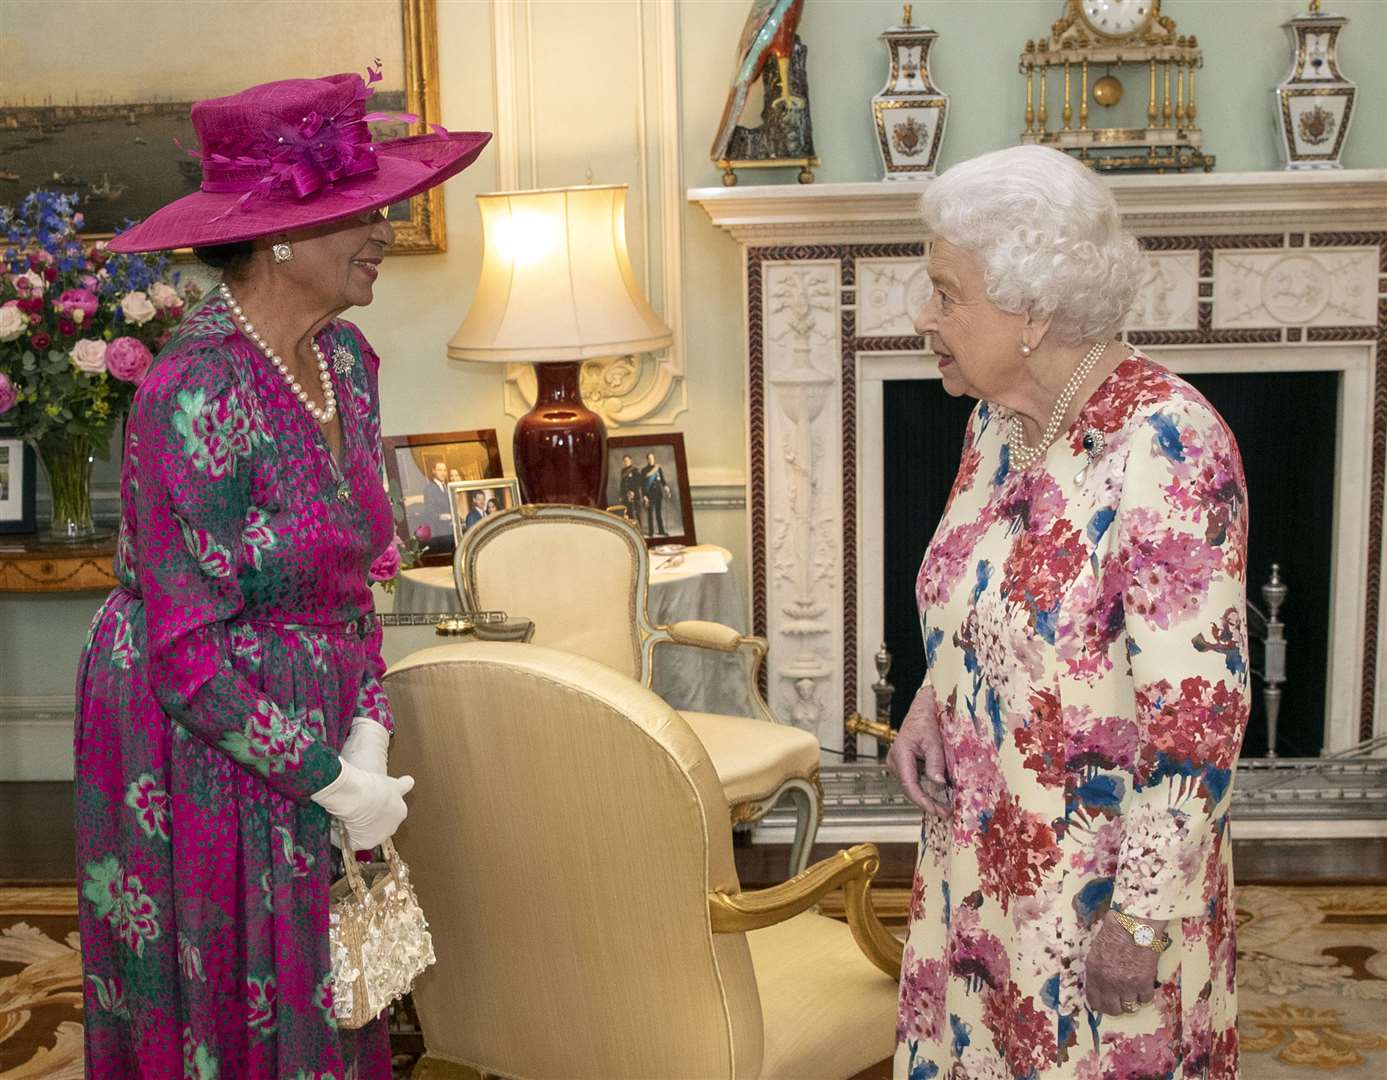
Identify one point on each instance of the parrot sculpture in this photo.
(769, 31)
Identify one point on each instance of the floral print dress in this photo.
(217, 686)
(1085, 643)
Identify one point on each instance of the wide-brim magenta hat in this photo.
(288, 155)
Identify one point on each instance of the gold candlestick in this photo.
(1194, 66)
(1165, 108)
(1030, 97)
(1042, 113)
(1151, 101)
(1083, 100)
(1068, 111)
(1180, 88)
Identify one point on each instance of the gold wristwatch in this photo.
(1143, 935)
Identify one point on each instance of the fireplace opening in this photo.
(1286, 427)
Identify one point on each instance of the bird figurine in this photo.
(769, 31)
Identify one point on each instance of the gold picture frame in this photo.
(105, 133)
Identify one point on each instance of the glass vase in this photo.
(67, 462)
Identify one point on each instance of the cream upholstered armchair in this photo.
(581, 575)
(568, 844)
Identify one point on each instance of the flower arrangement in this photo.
(79, 327)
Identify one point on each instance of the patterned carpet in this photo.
(1312, 983)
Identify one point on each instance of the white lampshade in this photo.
(556, 281)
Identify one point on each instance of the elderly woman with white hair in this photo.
(1083, 610)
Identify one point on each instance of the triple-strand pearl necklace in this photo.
(1023, 456)
(322, 413)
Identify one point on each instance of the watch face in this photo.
(1116, 18)
(1143, 936)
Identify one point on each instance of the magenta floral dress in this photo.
(218, 683)
(1085, 642)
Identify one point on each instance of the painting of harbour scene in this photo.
(109, 130)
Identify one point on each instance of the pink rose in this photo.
(89, 354)
(387, 563)
(137, 307)
(73, 301)
(8, 394)
(13, 322)
(128, 359)
(164, 296)
(28, 283)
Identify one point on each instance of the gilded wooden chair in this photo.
(567, 841)
(582, 575)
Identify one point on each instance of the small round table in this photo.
(692, 679)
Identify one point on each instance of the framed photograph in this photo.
(475, 500)
(106, 130)
(648, 478)
(421, 468)
(17, 475)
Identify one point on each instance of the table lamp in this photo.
(557, 289)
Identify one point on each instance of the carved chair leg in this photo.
(806, 802)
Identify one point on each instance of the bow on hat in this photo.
(306, 157)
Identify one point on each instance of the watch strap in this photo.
(1158, 943)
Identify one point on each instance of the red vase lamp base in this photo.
(561, 445)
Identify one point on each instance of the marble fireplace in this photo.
(1250, 272)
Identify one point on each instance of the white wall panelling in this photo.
(557, 126)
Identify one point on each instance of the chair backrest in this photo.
(563, 835)
(578, 573)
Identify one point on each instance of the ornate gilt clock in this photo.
(1133, 44)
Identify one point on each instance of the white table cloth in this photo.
(701, 586)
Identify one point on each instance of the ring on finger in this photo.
(1129, 1006)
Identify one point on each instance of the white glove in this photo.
(370, 806)
(368, 745)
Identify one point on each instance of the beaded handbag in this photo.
(379, 937)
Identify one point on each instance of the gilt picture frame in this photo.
(105, 129)
(475, 500)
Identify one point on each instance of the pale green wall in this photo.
(1246, 53)
(421, 300)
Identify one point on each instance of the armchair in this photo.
(600, 931)
(582, 576)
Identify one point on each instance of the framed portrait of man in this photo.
(648, 481)
(421, 468)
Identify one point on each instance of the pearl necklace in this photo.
(324, 413)
(1023, 456)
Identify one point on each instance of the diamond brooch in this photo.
(1093, 447)
(342, 359)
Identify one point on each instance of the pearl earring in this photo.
(1025, 350)
(282, 252)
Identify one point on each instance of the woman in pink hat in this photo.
(229, 702)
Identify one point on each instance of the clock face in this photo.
(1116, 18)
(1144, 935)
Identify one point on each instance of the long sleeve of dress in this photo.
(371, 701)
(190, 438)
(1182, 543)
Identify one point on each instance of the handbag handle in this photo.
(352, 870)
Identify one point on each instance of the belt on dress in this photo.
(359, 627)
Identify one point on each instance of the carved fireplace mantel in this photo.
(1249, 271)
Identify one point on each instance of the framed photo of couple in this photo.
(476, 500)
(648, 482)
